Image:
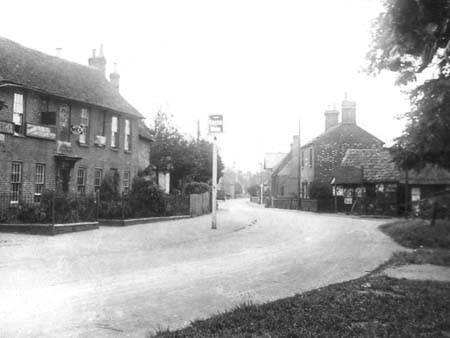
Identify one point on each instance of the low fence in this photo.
(313, 205)
(51, 208)
(200, 204)
(255, 199)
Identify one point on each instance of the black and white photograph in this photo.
(207, 168)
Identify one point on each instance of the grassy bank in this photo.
(372, 306)
(418, 233)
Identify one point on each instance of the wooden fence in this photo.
(200, 204)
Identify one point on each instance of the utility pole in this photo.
(299, 187)
(262, 184)
(198, 130)
(214, 185)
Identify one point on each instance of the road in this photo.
(126, 282)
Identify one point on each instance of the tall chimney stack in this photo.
(348, 111)
(331, 118)
(58, 52)
(98, 62)
(114, 77)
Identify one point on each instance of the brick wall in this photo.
(32, 150)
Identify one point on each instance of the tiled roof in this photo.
(378, 166)
(282, 164)
(341, 132)
(32, 69)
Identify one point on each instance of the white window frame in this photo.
(114, 132)
(127, 142)
(16, 181)
(84, 121)
(18, 112)
(81, 180)
(98, 179)
(39, 181)
(126, 181)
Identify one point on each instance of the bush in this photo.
(254, 190)
(68, 208)
(109, 189)
(196, 188)
(146, 198)
(320, 190)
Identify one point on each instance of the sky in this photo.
(264, 65)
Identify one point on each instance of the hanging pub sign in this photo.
(215, 123)
(6, 127)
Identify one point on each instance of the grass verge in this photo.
(371, 306)
(418, 233)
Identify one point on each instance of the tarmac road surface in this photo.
(126, 282)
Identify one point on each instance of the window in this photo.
(39, 181)
(310, 157)
(126, 182)
(303, 159)
(84, 123)
(18, 113)
(98, 176)
(16, 181)
(81, 180)
(47, 117)
(127, 144)
(114, 132)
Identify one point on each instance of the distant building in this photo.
(320, 156)
(368, 181)
(64, 125)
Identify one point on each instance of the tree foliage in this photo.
(410, 38)
(187, 160)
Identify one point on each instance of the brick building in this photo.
(320, 156)
(64, 125)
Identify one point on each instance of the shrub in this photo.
(196, 188)
(320, 190)
(146, 198)
(109, 189)
(254, 190)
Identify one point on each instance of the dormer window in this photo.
(18, 110)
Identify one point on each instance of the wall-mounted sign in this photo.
(215, 123)
(348, 200)
(100, 140)
(34, 130)
(77, 129)
(6, 127)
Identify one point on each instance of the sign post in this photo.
(215, 127)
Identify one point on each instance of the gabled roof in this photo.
(271, 160)
(377, 165)
(282, 164)
(343, 131)
(32, 69)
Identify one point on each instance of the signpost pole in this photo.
(215, 127)
(214, 185)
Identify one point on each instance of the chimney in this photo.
(114, 78)
(58, 52)
(348, 111)
(98, 62)
(331, 118)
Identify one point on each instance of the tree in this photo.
(412, 38)
(187, 160)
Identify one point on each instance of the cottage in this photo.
(368, 181)
(63, 125)
(320, 156)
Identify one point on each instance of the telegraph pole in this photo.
(299, 187)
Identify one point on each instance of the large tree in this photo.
(412, 38)
(188, 160)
